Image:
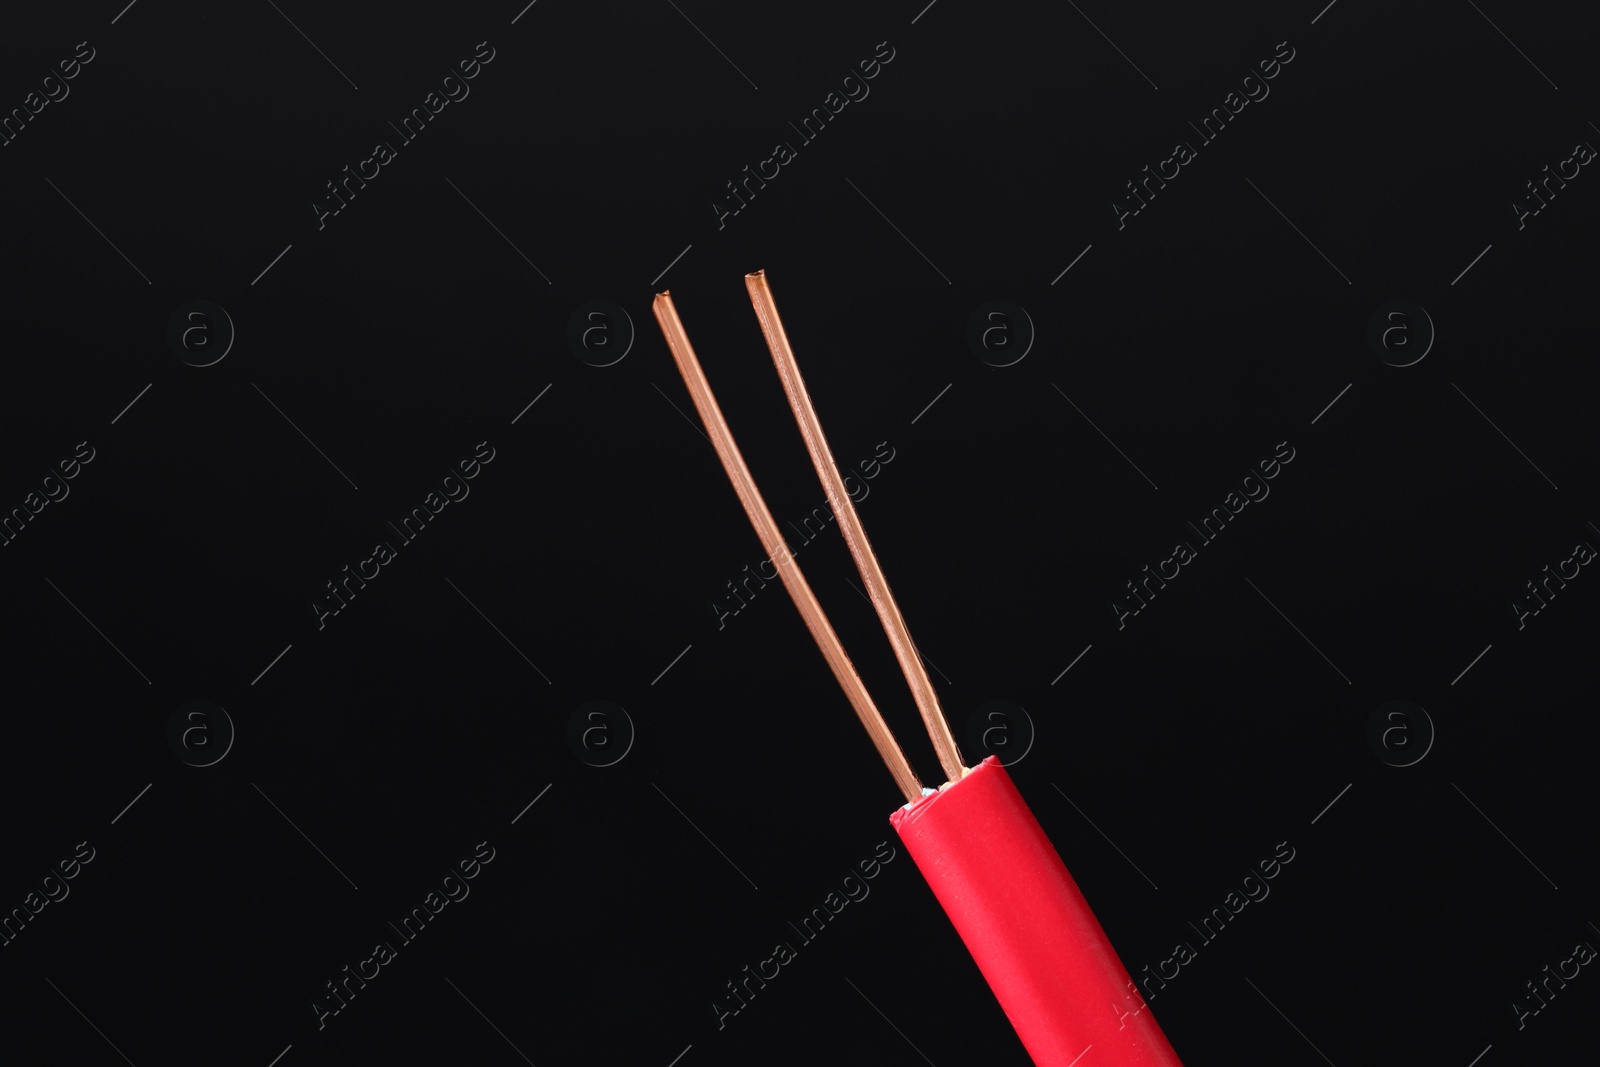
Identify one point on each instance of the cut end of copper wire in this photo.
(777, 549)
(855, 535)
(850, 525)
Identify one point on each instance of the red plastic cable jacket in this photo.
(1027, 925)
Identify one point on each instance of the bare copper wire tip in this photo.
(855, 536)
(777, 549)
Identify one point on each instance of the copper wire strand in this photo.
(855, 535)
(777, 549)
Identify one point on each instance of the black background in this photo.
(414, 724)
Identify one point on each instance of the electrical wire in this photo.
(778, 550)
(855, 536)
(983, 853)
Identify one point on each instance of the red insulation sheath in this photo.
(1027, 925)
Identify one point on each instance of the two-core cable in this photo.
(984, 855)
(777, 549)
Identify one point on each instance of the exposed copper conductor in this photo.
(855, 536)
(778, 550)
